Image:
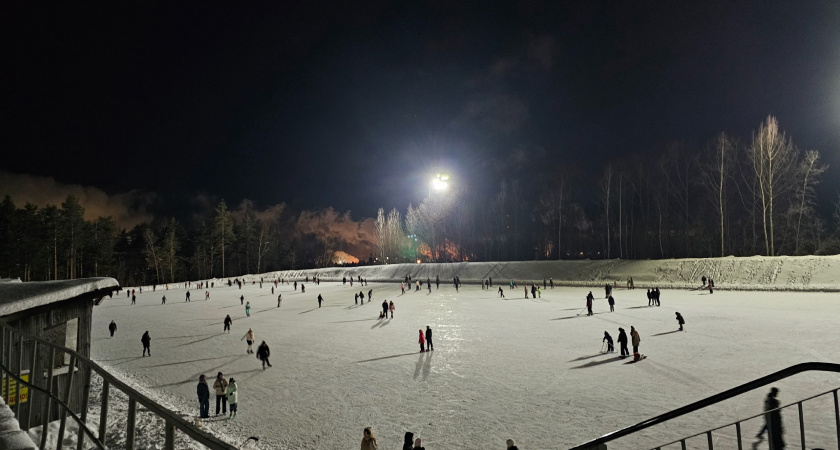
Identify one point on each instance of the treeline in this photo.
(55, 243)
(730, 197)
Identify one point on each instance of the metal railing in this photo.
(737, 424)
(725, 395)
(44, 383)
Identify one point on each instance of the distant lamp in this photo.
(418, 260)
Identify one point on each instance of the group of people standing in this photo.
(226, 393)
(635, 339)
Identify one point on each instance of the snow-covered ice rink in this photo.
(502, 368)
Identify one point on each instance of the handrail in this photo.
(750, 417)
(708, 401)
(187, 428)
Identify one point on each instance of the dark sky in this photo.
(354, 105)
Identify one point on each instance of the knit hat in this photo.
(510, 443)
(418, 442)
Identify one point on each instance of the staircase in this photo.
(730, 435)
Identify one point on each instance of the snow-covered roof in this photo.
(15, 297)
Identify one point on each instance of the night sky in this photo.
(323, 104)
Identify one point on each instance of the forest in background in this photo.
(730, 197)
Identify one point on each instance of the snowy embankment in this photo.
(502, 367)
(756, 273)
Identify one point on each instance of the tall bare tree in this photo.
(606, 193)
(716, 171)
(152, 250)
(223, 230)
(773, 159)
(810, 170)
(381, 234)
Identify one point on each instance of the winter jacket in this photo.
(112, 327)
(622, 337)
(422, 338)
(203, 391)
(231, 393)
(249, 335)
(409, 441)
(263, 352)
(391, 307)
(146, 339)
(607, 338)
(680, 319)
(634, 335)
(611, 301)
(429, 334)
(369, 443)
(220, 386)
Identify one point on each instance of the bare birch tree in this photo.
(810, 170)
(606, 192)
(773, 159)
(716, 173)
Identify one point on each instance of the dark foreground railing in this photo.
(725, 395)
(45, 391)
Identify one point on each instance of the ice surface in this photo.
(526, 369)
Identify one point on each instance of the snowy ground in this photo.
(526, 369)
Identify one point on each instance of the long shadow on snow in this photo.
(386, 357)
(382, 323)
(641, 307)
(667, 332)
(588, 357)
(313, 309)
(574, 317)
(198, 340)
(181, 337)
(597, 363)
(192, 361)
(194, 378)
(357, 320)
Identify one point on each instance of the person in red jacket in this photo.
(422, 342)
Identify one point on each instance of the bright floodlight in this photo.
(440, 182)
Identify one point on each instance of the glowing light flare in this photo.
(440, 182)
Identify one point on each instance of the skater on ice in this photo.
(263, 353)
(320, 299)
(203, 393)
(163, 300)
(147, 342)
(391, 308)
(408, 443)
(589, 299)
(609, 340)
(501, 292)
(611, 302)
(220, 386)
(112, 327)
(429, 345)
(279, 299)
(680, 321)
(636, 339)
(228, 321)
(368, 441)
(248, 309)
(385, 308)
(422, 341)
(249, 338)
(232, 397)
(622, 342)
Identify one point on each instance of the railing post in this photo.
(84, 406)
(738, 433)
(709, 438)
(6, 362)
(32, 372)
(170, 436)
(130, 423)
(48, 404)
(68, 388)
(103, 414)
(801, 425)
(682, 444)
(20, 375)
(837, 417)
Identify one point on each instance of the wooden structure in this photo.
(45, 367)
(61, 313)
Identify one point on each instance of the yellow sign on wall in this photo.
(11, 399)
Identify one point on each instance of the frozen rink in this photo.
(502, 368)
